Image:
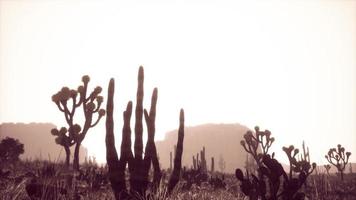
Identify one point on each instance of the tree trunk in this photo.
(67, 150)
(342, 175)
(76, 156)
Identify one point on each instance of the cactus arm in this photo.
(59, 106)
(111, 154)
(116, 167)
(138, 146)
(126, 152)
(98, 119)
(178, 157)
(151, 152)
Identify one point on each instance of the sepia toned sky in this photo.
(287, 66)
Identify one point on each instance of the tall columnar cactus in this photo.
(178, 157)
(339, 158)
(64, 140)
(212, 164)
(194, 163)
(68, 101)
(203, 160)
(138, 164)
(268, 185)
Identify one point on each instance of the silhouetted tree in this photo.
(10, 150)
(68, 101)
(64, 140)
(339, 158)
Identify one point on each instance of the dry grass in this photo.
(320, 187)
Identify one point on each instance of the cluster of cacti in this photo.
(272, 181)
(200, 164)
(339, 158)
(138, 165)
(67, 101)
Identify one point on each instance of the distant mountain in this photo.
(37, 139)
(218, 139)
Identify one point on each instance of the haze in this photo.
(287, 66)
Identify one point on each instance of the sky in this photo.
(286, 66)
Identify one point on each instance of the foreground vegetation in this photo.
(52, 181)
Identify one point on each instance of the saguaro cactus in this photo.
(138, 164)
(212, 164)
(339, 158)
(203, 160)
(178, 157)
(194, 163)
(91, 105)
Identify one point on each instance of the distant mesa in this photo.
(218, 139)
(37, 139)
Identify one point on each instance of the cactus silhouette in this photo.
(90, 104)
(212, 164)
(272, 182)
(138, 165)
(339, 158)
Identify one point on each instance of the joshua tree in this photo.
(68, 101)
(194, 163)
(138, 165)
(268, 185)
(339, 158)
(261, 140)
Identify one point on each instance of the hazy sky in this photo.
(287, 66)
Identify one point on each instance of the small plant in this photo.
(339, 158)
